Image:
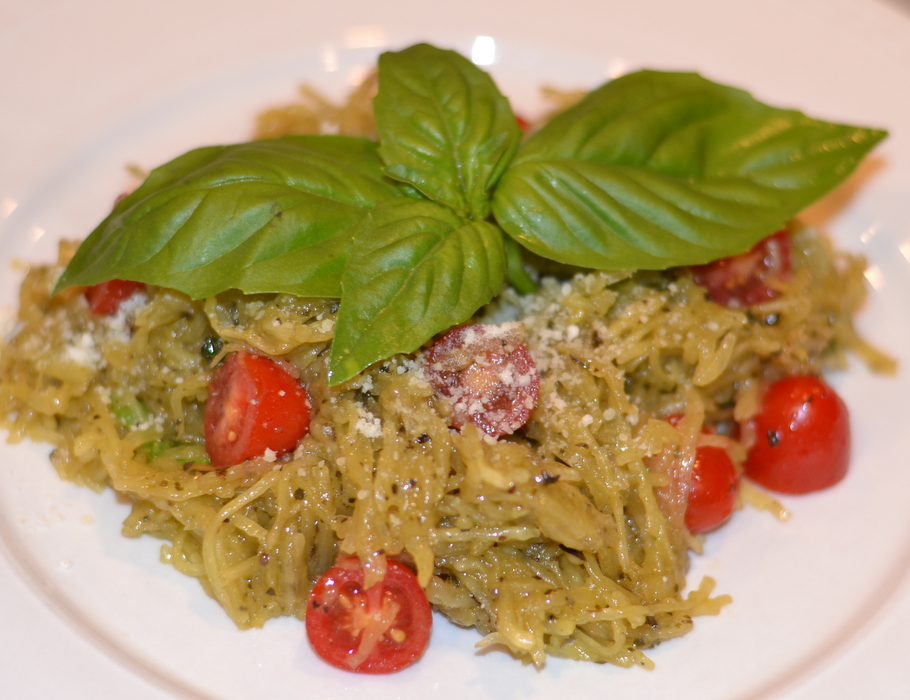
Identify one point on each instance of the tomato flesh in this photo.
(254, 405)
(802, 437)
(745, 280)
(380, 629)
(104, 299)
(488, 376)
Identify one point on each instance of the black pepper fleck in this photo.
(773, 438)
(546, 478)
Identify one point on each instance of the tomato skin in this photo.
(712, 490)
(254, 404)
(340, 610)
(488, 375)
(802, 437)
(743, 280)
(104, 299)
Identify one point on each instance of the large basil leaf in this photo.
(655, 170)
(416, 268)
(262, 216)
(444, 127)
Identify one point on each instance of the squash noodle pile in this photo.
(564, 539)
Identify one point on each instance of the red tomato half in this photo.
(713, 486)
(104, 299)
(254, 405)
(743, 280)
(488, 375)
(712, 491)
(802, 437)
(380, 629)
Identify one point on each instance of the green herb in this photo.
(656, 170)
(652, 170)
(516, 273)
(130, 412)
(181, 451)
(416, 268)
(444, 127)
(267, 216)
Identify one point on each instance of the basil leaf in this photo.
(261, 216)
(444, 127)
(415, 269)
(655, 170)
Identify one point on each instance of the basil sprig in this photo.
(652, 170)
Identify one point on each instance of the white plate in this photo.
(822, 603)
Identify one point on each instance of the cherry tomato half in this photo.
(743, 280)
(104, 299)
(713, 486)
(488, 375)
(380, 629)
(254, 405)
(712, 491)
(802, 437)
